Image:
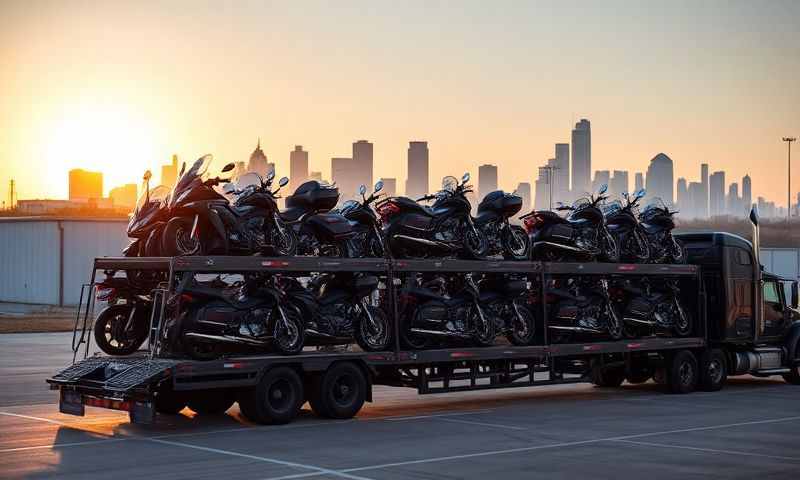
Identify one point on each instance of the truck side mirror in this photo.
(795, 296)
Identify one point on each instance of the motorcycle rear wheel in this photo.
(376, 340)
(289, 339)
(411, 340)
(284, 245)
(516, 244)
(522, 331)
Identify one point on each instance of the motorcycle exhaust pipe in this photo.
(227, 339)
(576, 329)
(438, 333)
(636, 320)
(413, 242)
(327, 336)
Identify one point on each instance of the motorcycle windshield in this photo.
(612, 208)
(349, 206)
(154, 196)
(654, 208)
(198, 170)
(248, 179)
(581, 203)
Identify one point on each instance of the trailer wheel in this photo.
(276, 399)
(713, 370)
(338, 393)
(682, 374)
(607, 377)
(169, 402)
(211, 402)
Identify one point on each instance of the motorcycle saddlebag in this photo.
(314, 196)
(329, 226)
(561, 231)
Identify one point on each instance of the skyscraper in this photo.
(695, 200)
(487, 179)
(417, 182)
(638, 182)
(747, 194)
(362, 162)
(85, 185)
(561, 193)
(601, 177)
(704, 210)
(581, 157)
(389, 186)
(298, 167)
(524, 191)
(618, 183)
(542, 200)
(660, 178)
(683, 195)
(733, 205)
(343, 174)
(258, 161)
(716, 194)
(169, 173)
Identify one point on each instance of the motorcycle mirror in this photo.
(379, 185)
(603, 189)
(362, 189)
(559, 204)
(270, 175)
(147, 176)
(283, 181)
(640, 193)
(228, 167)
(465, 178)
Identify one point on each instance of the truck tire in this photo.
(713, 370)
(211, 402)
(682, 372)
(607, 377)
(275, 400)
(338, 393)
(793, 376)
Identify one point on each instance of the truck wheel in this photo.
(607, 377)
(340, 392)
(793, 376)
(713, 370)
(211, 402)
(682, 374)
(276, 399)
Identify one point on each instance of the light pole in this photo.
(789, 141)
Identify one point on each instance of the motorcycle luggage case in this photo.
(330, 226)
(501, 202)
(314, 196)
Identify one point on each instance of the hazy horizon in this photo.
(120, 86)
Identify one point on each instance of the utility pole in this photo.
(789, 141)
(11, 195)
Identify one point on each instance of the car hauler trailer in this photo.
(271, 388)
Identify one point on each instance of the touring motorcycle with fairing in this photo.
(623, 224)
(494, 211)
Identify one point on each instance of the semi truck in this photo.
(744, 323)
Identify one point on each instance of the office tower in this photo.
(487, 179)
(542, 183)
(344, 175)
(618, 183)
(417, 183)
(524, 191)
(315, 176)
(258, 161)
(601, 177)
(695, 200)
(389, 187)
(733, 205)
(660, 178)
(561, 184)
(581, 158)
(704, 207)
(747, 194)
(682, 198)
(124, 196)
(638, 183)
(85, 185)
(169, 173)
(298, 167)
(362, 162)
(716, 194)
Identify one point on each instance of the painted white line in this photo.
(29, 417)
(434, 415)
(470, 422)
(317, 470)
(709, 450)
(61, 445)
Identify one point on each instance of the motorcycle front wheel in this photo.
(111, 334)
(484, 331)
(515, 243)
(373, 338)
(176, 241)
(682, 320)
(475, 242)
(522, 326)
(284, 243)
(289, 336)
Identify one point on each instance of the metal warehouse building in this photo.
(45, 260)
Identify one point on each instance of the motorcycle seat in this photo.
(293, 214)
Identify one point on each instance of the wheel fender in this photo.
(793, 339)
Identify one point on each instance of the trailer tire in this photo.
(607, 377)
(211, 402)
(169, 402)
(682, 373)
(338, 393)
(713, 370)
(275, 400)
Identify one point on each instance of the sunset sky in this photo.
(120, 86)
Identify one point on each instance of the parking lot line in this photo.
(483, 424)
(709, 450)
(433, 415)
(29, 417)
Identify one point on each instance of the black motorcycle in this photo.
(431, 314)
(501, 297)
(623, 224)
(145, 227)
(510, 241)
(446, 228)
(583, 307)
(319, 232)
(122, 327)
(336, 310)
(367, 239)
(252, 315)
(655, 309)
(581, 236)
(657, 222)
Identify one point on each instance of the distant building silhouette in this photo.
(601, 177)
(417, 183)
(682, 198)
(638, 182)
(298, 167)
(124, 196)
(659, 178)
(524, 191)
(695, 200)
(703, 210)
(362, 162)
(258, 161)
(169, 173)
(487, 180)
(733, 206)
(85, 185)
(543, 198)
(581, 157)
(747, 194)
(618, 183)
(716, 194)
(389, 187)
(344, 175)
(561, 192)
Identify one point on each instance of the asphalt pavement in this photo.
(750, 429)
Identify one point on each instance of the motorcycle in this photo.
(500, 296)
(122, 327)
(319, 232)
(657, 222)
(510, 241)
(144, 227)
(446, 228)
(584, 306)
(581, 236)
(623, 224)
(655, 310)
(430, 313)
(367, 240)
(336, 310)
(253, 316)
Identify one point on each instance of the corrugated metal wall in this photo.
(30, 251)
